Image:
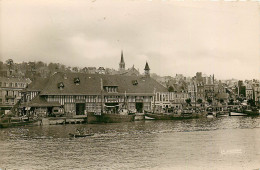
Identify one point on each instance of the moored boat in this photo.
(14, 124)
(222, 114)
(80, 135)
(109, 117)
(237, 114)
(139, 116)
(210, 115)
(252, 112)
(160, 116)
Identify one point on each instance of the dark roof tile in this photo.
(90, 84)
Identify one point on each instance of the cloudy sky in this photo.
(221, 38)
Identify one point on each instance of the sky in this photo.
(220, 38)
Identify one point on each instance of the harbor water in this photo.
(217, 143)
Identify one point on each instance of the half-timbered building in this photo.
(79, 93)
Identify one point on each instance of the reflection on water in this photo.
(220, 143)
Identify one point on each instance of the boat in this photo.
(13, 122)
(139, 116)
(210, 115)
(148, 118)
(80, 135)
(251, 112)
(93, 117)
(169, 116)
(211, 112)
(115, 116)
(237, 114)
(222, 114)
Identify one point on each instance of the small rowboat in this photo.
(80, 135)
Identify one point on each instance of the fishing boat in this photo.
(237, 111)
(211, 112)
(167, 116)
(13, 122)
(252, 112)
(237, 114)
(115, 116)
(139, 116)
(80, 135)
(222, 114)
(210, 115)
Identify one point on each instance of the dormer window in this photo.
(61, 85)
(76, 81)
(134, 82)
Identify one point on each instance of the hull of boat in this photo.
(252, 113)
(222, 114)
(80, 136)
(109, 118)
(167, 117)
(14, 124)
(116, 118)
(237, 114)
(139, 116)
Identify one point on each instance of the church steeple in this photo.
(146, 69)
(122, 62)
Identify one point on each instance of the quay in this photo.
(62, 120)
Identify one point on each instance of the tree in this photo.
(231, 102)
(251, 102)
(199, 101)
(171, 89)
(209, 101)
(240, 99)
(75, 69)
(188, 101)
(9, 63)
(221, 101)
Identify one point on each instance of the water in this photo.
(219, 143)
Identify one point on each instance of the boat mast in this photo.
(195, 98)
(154, 100)
(101, 82)
(125, 101)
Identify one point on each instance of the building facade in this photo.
(11, 91)
(79, 93)
(175, 100)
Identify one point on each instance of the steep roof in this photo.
(37, 85)
(90, 84)
(14, 80)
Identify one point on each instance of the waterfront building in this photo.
(200, 91)
(249, 91)
(101, 70)
(257, 95)
(78, 93)
(165, 100)
(209, 91)
(10, 91)
(192, 91)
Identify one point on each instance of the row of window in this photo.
(21, 85)
(9, 101)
